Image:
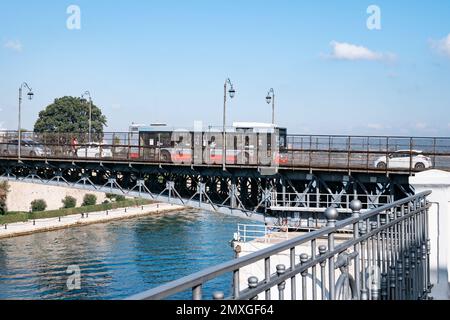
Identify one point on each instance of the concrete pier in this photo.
(439, 227)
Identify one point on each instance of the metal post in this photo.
(197, 293)
(293, 279)
(331, 214)
(304, 259)
(271, 97)
(362, 233)
(273, 109)
(90, 119)
(356, 207)
(231, 92)
(19, 129)
(281, 269)
(322, 251)
(267, 275)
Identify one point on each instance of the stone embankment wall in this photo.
(22, 194)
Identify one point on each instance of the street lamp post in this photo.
(232, 93)
(19, 129)
(87, 93)
(271, 98)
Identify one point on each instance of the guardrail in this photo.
(265, 233)
(285, 201)
(382, 154)
(389, 244)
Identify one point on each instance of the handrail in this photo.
(199, 278)
(339, 152)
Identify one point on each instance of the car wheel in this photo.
(381, 165)
(97, 155)
(419, 166)
(165, 156)
(5, 153)
(32, 154)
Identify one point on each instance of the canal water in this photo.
(117, 259)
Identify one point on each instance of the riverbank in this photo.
(75, 220)
(13, 217)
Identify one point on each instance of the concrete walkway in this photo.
(51, 224)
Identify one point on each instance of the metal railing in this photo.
(382, 154)
(320, 201)
(265, 233)
(387, 257)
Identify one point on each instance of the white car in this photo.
(404, 159)
(94, 150)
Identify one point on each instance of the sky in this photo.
(334, 66)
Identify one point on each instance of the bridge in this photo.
(307, 173)
(349, 197)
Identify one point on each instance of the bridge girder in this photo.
(246, 189)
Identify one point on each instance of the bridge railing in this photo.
(363, 152)
(301, 151)
(320, 201)
(386, 257)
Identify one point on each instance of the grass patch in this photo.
(12, 217)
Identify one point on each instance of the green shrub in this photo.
(120, 198)
(4, 189)
(38, 205)
(89, 200)
(69, 202)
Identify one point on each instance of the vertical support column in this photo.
(233, 194)
(356, 207)
(331, 214)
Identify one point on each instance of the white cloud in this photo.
(14, 45)
(442, 46)
(421, 126)
(375, 126)
(352, 52)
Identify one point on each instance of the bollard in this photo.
(34, 222)
(107, 212)
(6, 226)
(59, 219)
(252, 284)
(87, 215)
(142, 207)
(82, 216)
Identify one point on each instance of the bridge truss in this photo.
(241, 191)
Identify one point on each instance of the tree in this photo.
(71, 115)
(4, 189)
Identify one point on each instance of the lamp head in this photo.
(232, 92)
(30, 95)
